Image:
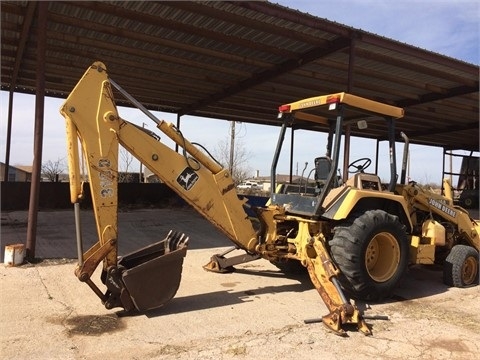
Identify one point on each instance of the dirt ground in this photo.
(254, 313)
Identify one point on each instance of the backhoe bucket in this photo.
(152, 274)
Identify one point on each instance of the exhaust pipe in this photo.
(405, 157)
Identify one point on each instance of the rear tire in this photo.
(371, 250)
(460, 268)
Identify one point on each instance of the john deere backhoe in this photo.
(354, 237)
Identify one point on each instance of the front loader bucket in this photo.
(152, 274)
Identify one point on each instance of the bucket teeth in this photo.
(150, 276)
(175, 240)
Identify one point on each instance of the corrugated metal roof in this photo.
(240, 61)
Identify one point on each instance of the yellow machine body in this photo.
(321, 232)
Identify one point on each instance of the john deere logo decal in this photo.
(442, 207)
(187, 178)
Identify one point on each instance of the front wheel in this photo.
(461, 267)
(371, 249)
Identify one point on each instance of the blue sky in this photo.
(448, 27)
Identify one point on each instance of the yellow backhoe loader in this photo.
(355, 237)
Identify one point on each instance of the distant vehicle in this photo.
(248, 185)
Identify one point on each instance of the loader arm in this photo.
(444, 208)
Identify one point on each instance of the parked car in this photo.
(248, 185)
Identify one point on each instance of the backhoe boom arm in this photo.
(92, 118)
(199, 180)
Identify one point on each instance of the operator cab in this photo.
(330, 113)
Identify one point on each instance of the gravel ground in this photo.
(254, 313)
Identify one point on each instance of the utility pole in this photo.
(141, 165)
(232, 147)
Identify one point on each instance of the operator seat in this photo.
(323, 166)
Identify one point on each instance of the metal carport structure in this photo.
(232, 60)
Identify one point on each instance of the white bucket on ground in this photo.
(14, 254)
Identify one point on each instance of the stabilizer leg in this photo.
(220, 264)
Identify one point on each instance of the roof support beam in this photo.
(38, 135)
(296, 17)
(289, 65)
(331, 27)
(445, 130)
(412, 66)
(27, 22)
(350, 82)
(245, 21)
(177, 26)
(426, 98)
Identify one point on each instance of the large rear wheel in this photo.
(371, 249)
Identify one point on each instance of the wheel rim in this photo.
(382, 257)
(468, 202)
(469, 270)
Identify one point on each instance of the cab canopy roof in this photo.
(309, 109)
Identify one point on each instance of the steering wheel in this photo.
(365, 163)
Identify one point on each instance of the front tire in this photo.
(371, 249)
(461, 267)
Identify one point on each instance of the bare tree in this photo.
(126, 160)
(232, 153)
(52, 169)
